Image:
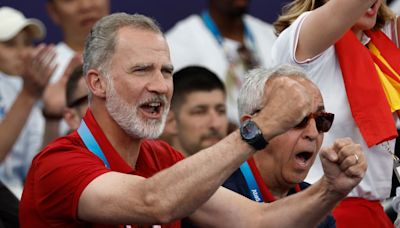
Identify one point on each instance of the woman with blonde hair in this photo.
(349, 48)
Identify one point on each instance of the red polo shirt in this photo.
(61, 172)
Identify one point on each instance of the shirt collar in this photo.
(117, 163)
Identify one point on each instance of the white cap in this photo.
(13, 21)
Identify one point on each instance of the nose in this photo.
(159, 83)
(310, 131)
(217, 120)
(86, 4)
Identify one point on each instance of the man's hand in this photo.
(344, 166)
(287, 102)
(54, 97)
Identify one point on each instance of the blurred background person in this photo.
(24, 74)
(21, 126)
(197, 118)
(76, 98)
(224, 39)
(75, 18)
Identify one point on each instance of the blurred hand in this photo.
(344, 165)
(54, 97)
(39, 66)
(287, 102)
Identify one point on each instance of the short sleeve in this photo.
(285, 46)
(60, 177)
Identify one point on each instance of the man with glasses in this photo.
(279, 170)
(76, 98)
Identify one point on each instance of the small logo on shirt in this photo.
(255, 194)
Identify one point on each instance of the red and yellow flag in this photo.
(372, 82)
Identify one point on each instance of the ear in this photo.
(96, 83)
(170, 125)
(170, 132)
(245, 117)
(52, 12)
(71, 118)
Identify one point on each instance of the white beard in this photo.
(128, 118)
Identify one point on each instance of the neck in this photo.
(358, 33)
(229, 26)
(75, 42)
(178, 146)
(265, 166)
(124, 144)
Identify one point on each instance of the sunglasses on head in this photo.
(323, 121)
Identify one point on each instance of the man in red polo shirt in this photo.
(109, 173)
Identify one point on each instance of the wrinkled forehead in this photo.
(312, 89)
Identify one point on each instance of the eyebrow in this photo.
(320, 108)
(168, 67)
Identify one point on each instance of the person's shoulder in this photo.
(185, 25)
(66, 146)
(262, 30)
(188, 21)
(257, 21)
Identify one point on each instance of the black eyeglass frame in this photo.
(78, 101)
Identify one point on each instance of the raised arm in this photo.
(326, 24)
(55, 102)
(178, 191)
(39, 67)
(344, 166)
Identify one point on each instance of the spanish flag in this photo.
(372, 81)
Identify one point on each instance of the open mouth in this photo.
(303, 157)
(152, 109)
(88, 22)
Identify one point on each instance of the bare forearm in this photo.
(229, 209)
(335, 17)
(188, 184)
(14, 121)
(305, 209)
(170, 194)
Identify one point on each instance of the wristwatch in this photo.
(251, 133)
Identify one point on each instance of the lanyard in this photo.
(91, 143)
(255, 192)
(257, 188)
(208, 21)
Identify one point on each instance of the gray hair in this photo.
(101, 42)
(251, 95)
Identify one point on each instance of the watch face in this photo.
(249, 130)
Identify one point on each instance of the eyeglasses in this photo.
(78, 102)
(323, 121)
